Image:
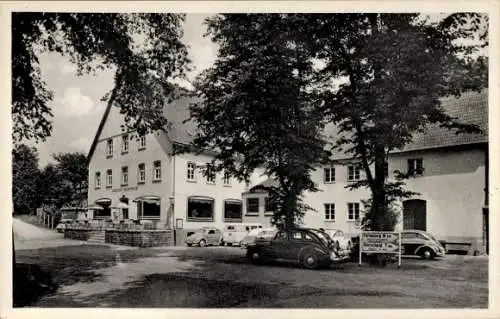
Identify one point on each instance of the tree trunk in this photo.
(378, 209)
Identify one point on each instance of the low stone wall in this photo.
(79, 233)
(140, 238)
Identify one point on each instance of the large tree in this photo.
(73, 171)
(143, 50)
(25, 173)
(394, 68)
(257, 111)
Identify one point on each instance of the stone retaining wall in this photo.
(140, 238)
(79, 233)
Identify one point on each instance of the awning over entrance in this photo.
(200, 199)
(148, 199)
(103, 201)
(94, 207)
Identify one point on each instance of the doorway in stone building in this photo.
(415, 214)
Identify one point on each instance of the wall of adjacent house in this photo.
(453, 186)
(135, 156)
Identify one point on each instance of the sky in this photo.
(77, 105)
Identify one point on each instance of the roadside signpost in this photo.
(380, 242)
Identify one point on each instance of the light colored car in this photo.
(420, 243)
(234, 233)
(62, 225)
(340, 240)
(205, 236)
(260, 233)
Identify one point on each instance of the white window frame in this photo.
(329, 212)
(210, 174)
(355, 209)
(109, 147)
(353, 173)
(329, 175)
(142, 142)
(125, 143)
(156, 171)
(191, 171)
(413, 166)
(97, 180)
(141, 173)
(226, 179)
(109, 178)
(247, 212)
(124, 175)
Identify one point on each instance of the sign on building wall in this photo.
(377, 242)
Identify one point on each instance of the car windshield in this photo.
(200, 231)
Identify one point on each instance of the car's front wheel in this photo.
(202, 243)
(253, 256)
(426, 254)
(189, 245)
(310, 260)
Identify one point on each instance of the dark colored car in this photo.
(307, 247)
(420, 243)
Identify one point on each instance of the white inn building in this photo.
(137, 178)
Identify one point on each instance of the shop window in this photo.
(232, 210)
(200, 208)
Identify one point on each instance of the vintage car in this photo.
(305, 246)
(61, 227)
(420, 243)
(205, 236)
(342, 241)
(260, 233)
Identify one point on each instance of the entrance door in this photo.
(415, 214)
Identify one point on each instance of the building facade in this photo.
(450, 175)
(136, 178)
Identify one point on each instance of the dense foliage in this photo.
(144, 51)
(264, 100)
(54, 185)
(255, 110)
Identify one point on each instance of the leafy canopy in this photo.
(144, 50)
(256, 110)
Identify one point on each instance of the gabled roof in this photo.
(470, 108)
(175, 112)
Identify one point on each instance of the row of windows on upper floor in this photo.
(141, 175)
(253, 206)
(125, 146)
(415, 167)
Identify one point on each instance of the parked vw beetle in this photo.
(308, 247)
(205, 236)
(420, 243)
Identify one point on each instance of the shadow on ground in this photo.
(41, 272)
